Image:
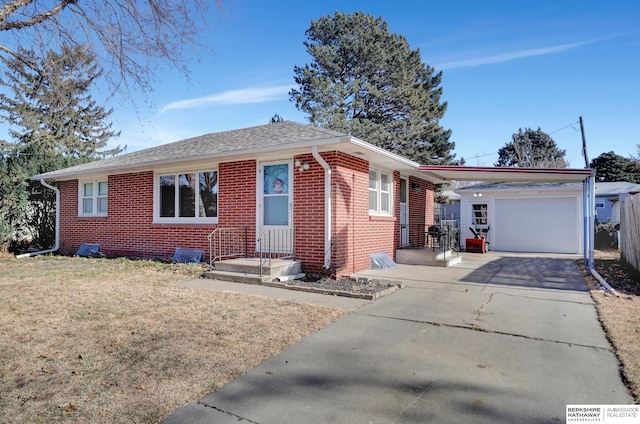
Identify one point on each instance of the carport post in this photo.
(592, 212)
(587, 245)
(588, 202)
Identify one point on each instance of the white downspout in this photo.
(327, 205)
(589, 196)
(56, 244)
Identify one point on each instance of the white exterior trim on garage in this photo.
(526, 217)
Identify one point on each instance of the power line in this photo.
(552, 132)
(564, 128)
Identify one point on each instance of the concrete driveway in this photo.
(499, 338)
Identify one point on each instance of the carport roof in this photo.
(443, 173)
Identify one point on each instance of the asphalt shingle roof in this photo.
(617, 187)
(271, 136)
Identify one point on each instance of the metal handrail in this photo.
(227, 243)
(276, 243)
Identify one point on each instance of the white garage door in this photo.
(536, 225)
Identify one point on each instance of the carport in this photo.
(586, 176)
(524, 216)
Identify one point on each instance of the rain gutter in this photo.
(56, 244)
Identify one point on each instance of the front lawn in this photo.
(97, 340)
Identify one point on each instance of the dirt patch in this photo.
(96, 340)
(363, 288)
(620, 316)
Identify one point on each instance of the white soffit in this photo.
(478, 173)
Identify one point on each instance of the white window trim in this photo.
(94, 197)
(378, 211)
(157, 219)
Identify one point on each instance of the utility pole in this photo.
(584, 145)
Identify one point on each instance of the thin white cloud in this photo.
(506, 57)
(242, 96)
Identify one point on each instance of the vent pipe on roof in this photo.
(327, 206)
(56, 244)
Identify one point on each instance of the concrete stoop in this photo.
(248, 270)
(427, 257)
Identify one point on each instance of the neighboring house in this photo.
(449, 212)
(525, 217)
(341, 197)
(608, 198)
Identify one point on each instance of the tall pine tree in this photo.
(369, 83)
(53, 123)
(52, 110)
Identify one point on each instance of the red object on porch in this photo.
(476, 245)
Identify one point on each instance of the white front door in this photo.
(404, 213)
(275, 203)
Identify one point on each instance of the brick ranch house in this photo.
(342, 197)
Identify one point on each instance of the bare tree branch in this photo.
(129, 38)
(35, 20)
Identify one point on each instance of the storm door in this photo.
(275, 206)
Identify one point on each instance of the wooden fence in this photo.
(630, 230)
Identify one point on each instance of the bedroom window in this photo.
(379, 192)
(93, 198)
(187, 197)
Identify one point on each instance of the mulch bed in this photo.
(361, 288)
(619, 274)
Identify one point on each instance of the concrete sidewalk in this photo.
(499, 338)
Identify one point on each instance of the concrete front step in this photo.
(237, 277)
(427, 257)
(248, 270)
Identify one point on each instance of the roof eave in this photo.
(239, 154)
(478, 173)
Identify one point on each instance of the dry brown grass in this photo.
(111, 341)
(620, 316)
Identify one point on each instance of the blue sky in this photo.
(506, 65)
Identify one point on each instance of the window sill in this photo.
(213, 221)
(92, 216)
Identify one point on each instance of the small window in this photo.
(380, 198)
(208, 194)
(94, 198)
(167, 196)
(385, 194)
(373, 191)
(479, 216)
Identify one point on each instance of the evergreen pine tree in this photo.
(53, 123)
(369, 83)
(531, 149)
(52, 110)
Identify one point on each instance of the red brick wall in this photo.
(128, 229)
(309, 213)
(237, 187)
(355, 233)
